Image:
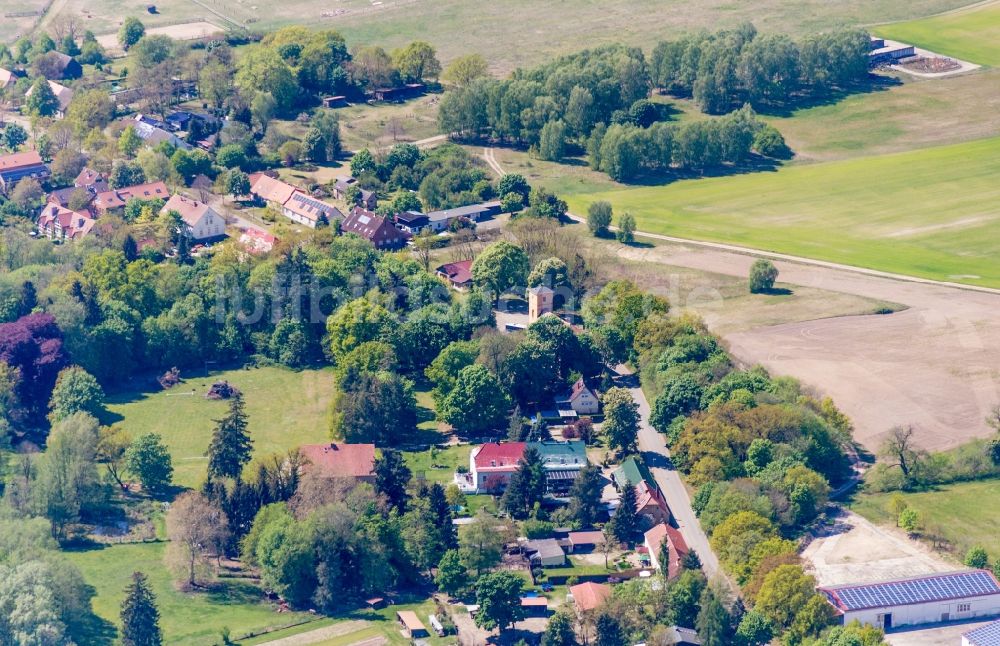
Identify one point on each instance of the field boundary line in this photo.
(219, 14)
(949, 12)
(750, 251)
(490, 157)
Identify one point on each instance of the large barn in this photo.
(918, 600)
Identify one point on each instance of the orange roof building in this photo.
(335, 460)
(589, 596)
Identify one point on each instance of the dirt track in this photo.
(935, 365)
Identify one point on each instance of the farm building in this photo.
(988, 635)
(886, 52)
(63, 94)
(441, 220)
(918, 600)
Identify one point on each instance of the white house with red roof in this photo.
(491, 465)
(337, 460)
(60, 223)
(655, 538)
(581, 399)
(201, 222)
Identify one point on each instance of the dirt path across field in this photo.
(935, 365)
(321, 634)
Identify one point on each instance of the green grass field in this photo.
(285, 409)
(194, 619)
(959, 511)
(511, 33)
(972, 35)
(932, 213)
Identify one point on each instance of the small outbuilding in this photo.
(412, 626)
(918, 600)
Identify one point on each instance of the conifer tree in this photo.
(140, 618)
(231, 446)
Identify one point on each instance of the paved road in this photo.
(657, 457)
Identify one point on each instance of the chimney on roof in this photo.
(333, 446)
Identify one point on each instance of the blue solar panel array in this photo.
(988, 635)
(921, 590)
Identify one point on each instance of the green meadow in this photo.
(972, 35)
(186, 619)
(955, 511)
(932, 213)
(285, 409)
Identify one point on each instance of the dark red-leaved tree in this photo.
(33, 344)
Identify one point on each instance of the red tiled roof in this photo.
(73, 224)
(270, 189)
(499, 457)
(646, 495)
(592, 537)
(191, 211)
(534, 602)
(341, 460)
(20, 160)
(88, 178)
(117, 198)
(589, 596)
(459, 272)
(676, 547)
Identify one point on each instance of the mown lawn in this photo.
(972, 35)
(285, 409)
(963, 513)
(194, 619)
(439, 467)
(931, 213)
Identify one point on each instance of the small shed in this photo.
(545, 552)
(585, 541)
(335, 101)
(412, 626)
(535, 606)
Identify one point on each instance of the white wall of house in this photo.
(586, 404)
(925, 613)
(300, 219)
(210, 225)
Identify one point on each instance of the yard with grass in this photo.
(285, 409)
(970, 34)
(961, 513)
(438, 464)
(194, 619)
(930, 213)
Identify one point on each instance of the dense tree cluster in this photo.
(625, 151)
(567, 97)
(726, 68)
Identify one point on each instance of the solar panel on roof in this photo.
(923, 590)
(988, 635)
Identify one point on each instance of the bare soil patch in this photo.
(856, 551)
(935, 366)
